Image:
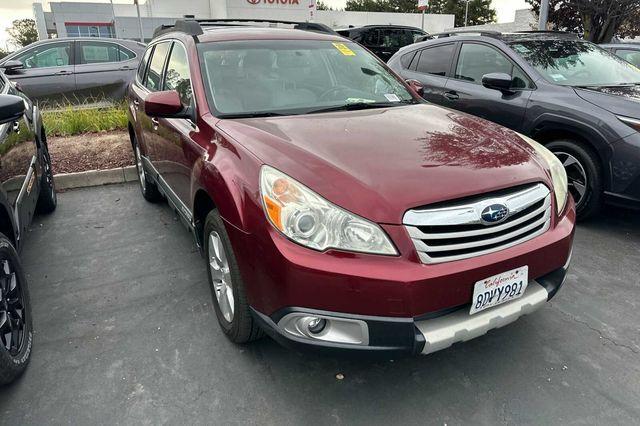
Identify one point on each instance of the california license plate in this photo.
(499, 289)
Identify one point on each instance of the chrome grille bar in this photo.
(455, 232)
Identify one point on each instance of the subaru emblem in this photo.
(494, 214)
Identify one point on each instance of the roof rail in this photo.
(487, 33)
(193, 27)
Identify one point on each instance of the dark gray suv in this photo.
(576, 98)
(74, 69)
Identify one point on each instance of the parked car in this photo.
(383, 40)
(26, 186)
(630, 52)
(74, 69)
(575, 98)
(333, 206)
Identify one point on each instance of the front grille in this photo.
(455, 231)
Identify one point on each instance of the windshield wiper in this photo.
(256, 114)
(355, 106)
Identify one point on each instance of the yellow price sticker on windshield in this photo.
(344, 49)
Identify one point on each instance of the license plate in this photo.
(499, 289)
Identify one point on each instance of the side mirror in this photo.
(11, 108)
(11, 66)
(497, 81)
(165, 104)
(416, 86)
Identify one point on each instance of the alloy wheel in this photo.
(12, 311)
(576, 176)
(48, 173)
(220, 276)
(141, 176)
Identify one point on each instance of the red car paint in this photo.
(376, 163)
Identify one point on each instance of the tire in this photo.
(47, 200)
(584, 174)
(148, 188)
(239, 326)
(13, 360)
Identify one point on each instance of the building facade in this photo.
(67, 19)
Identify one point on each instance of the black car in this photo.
(383, 40)
(630, 52)
(576, 98)
(26, 186)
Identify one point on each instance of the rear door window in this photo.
(436, 60)
(98, 52)
(142, 67)
(153, 79)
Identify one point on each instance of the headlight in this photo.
(558, 173)
(310, 220)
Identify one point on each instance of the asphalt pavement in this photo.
(126, 334)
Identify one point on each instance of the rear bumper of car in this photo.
(391, 337)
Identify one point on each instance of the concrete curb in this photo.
(96, 177)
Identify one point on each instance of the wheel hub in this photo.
(576, 176)
(221, 276)
(12, 315)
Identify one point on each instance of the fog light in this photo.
(316, 325)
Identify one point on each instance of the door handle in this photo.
(125, 69)
(155, 123)
(452, 96)
(63, 73)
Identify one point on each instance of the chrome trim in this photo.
(440, 333)
(470, 213)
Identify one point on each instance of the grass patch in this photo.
(69, 121)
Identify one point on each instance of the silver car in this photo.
(74, 69)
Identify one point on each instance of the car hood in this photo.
(620, 100)
(379, 163)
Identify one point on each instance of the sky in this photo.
(17, 9)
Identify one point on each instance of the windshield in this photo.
(576, 63)
(246, 78)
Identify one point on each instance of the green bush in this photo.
(69, 121)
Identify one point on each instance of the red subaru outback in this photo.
(334, 207)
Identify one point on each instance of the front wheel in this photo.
(583, 174)
(47, 200)
(227, 288)
(147, 187)
(16, 332)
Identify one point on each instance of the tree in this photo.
(23, 32)
(400, 6)
(320, 5)
(598, 20)
(480, 11)
(3, 53)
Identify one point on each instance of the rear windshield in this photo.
(294, 76)
(576, 63)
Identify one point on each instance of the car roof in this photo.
(238, 33)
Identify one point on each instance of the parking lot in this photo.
(125, 333)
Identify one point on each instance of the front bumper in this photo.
(393, 337)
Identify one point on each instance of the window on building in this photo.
(89, 30)
(47, 55)
(177, 77)
(436, 60)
